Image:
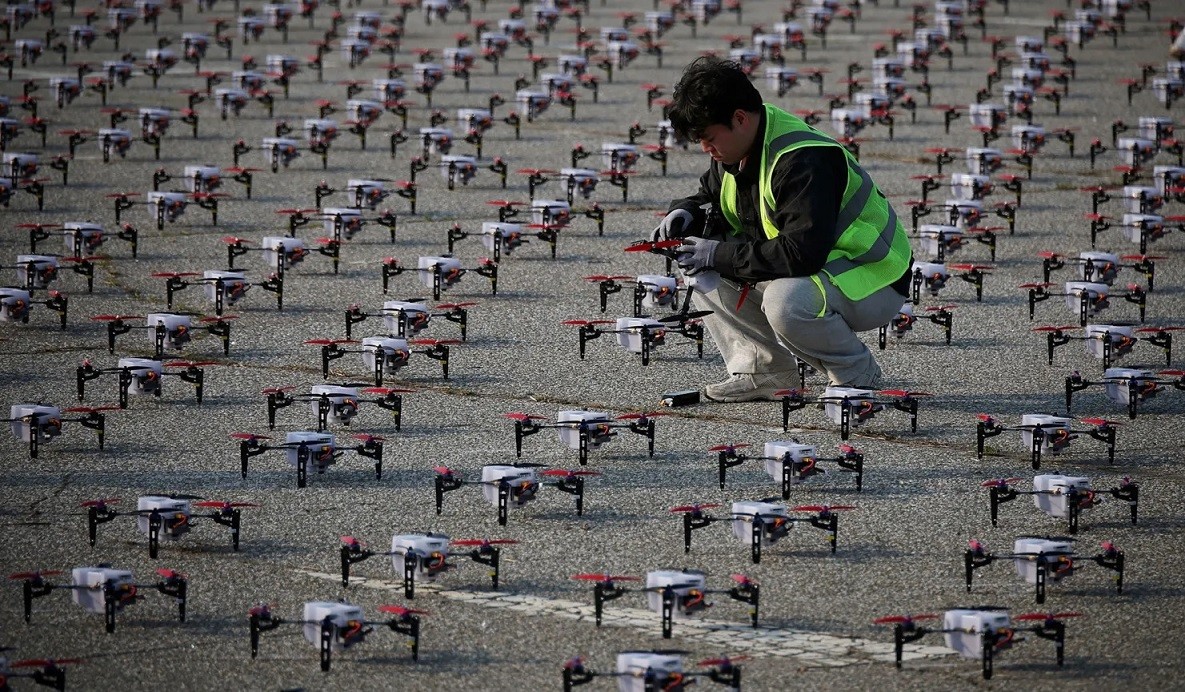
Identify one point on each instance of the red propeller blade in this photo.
(592, 576)
(728, 447)
(895, 619)
(822, 508)
(223, 505)
(248, 436)
(401, 611)
(999, 482)
(484, 541)
(1044, 616)
(568, 473)
(694, 508)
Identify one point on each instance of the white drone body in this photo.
(458, 58)
(1136, 151)
(681, 584)
(344, 220)
(14, 304)
(1053, 490)
(365, 193)
(393, 352)
(428, 74)
(388, 89)
(90, 583)
(1132, 225)
(583, 180)
(964, 186)
(36, 271)
(1096, 334)
(449, 269)
(321, 448)
(967, 211)
(437, 140)
(617, 156)
(461, 168)
(1094, 291)
(1142, 199)
(82, 237)
(506, 235)
(119, 140)
(169, 508)
(967, 627)
(983, 160)
(744, 512)
(281, 251)
(634, 668)
(146, 374)
(570, 434)
(477, 119)
(340, 614)
(35, 419)
(233, 285)
(155, 121)
(661, 290)
(776, 450)
(280, 149)
(363, 110)
(1104, 266)
(1117, 380)
(631, 331)
(1049, 425)
(343, 402)
(415, 316)
(493, 474)
(1168, 177)
(1154, 127)
(428, 550)
(320, 129)
(171, 204)
(176, 328)
(833, 408)
(1030, 550)
(202, 178)
(934, 236)
(552, 212)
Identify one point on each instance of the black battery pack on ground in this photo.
(686, 397)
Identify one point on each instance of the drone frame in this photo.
(987, 427)
(1076, 500)
(447, 480)
(793, 470)
(486, 554)
(172, 585)
(406, 623)
(370, 448)
(228, 515)
(745, 591)
(277, 399)
(586, 431)
(976, 556)
(775, 526)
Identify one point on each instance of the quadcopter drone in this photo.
(166, 516)
(144, 376)
(851, 407)
(38, 424)
(790, 462)
(1101, 267)
(425, 556)
(585, 430)
(1109, 342)
(1040, 560)
(280, 253)
(38, 272)
(642, 335)
(47, 672)
(442, 273)
(222, 288)
(979, 632)
(1044, 434)
(168, 330)
(407, 318)
(336, 404)
(1128, 387)
(16, 304)
(905, 318)
(761, 523)
(83, 239)
(1086, 299)
(1062, 497)
(650, 292)
(336, 626)
(675, 594)
(648, 671)
(103, 589)
(383, 354)
(935, 275)
(513, 485)
(303, 449)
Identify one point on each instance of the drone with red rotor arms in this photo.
(905, 318)
(515, 485)
(650, 291)
(145, 376)
(790, 462)
(38, 272)
(852, 407)
(167, 516)
(656, 670)
(47, 672)
(425, 556)
(222, 288)
(1101, 267)
(441, 273)
(1129, 387)
(385, 354)
(280, 253)
(1142, 229)
(1041, 560)
(762, 523)
(1062, 497)
(1109, 342)
(642, 335)
(38, 424)
(1045, 435)
(16, 304)
(335, 626)
(935, 275)
(82, 239)
(306, 448)
(1086, 299)
(407, 318)
(336, 404)
(168, 330)
(675, 594)
(585, 431)
(979, 632)
(103, 590)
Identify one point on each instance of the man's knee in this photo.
(793, 300)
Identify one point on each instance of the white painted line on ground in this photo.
(810, 649)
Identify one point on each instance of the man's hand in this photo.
(673, 225)
(696, 254)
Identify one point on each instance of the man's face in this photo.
(727, 144)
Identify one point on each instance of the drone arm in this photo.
(983, 430)
(1054, 631)
(354, 315)
(830, 524)
(573, 485)
(1129, 493)
(577, 677)
(248, 449)
(725, 460)
(394, 403)
(750, 593)
(114, 329)
(350, 556)
(491, 557)
(644, 427)
(408, 625)
(791, 402)
(1105, 433)
(998, 495)
(175, 586)
(195, 376)
(94, 517)
(604, 591)
(51, 676)
(445, 484)
(973, 560)
(34, 588)
(1113, 560)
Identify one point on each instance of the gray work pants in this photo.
(781, 319)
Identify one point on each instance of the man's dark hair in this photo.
(708, 93)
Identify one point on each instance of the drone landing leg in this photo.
(109, 611)
(503, 501)
(154, 523)
(1042, 573)
(327, 630)
(755, 540)
(989, 652)
(302, 466)
(411, 562)
(668, 611)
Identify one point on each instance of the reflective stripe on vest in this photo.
(868, 253)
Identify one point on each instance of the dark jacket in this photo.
(808, 187)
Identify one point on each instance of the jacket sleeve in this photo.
(808, 186)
